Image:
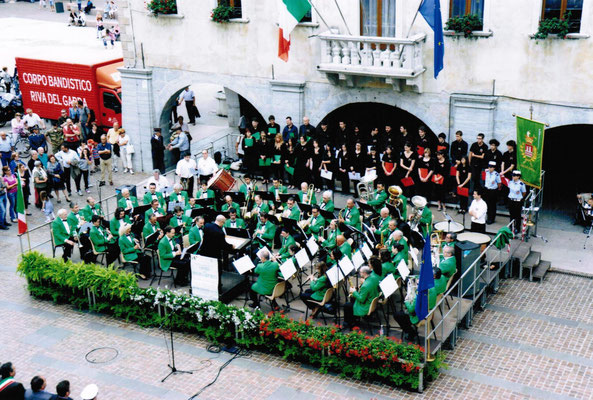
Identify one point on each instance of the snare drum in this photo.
(221, 181)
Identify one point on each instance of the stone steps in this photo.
(541, 270)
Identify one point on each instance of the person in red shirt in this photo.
(71, 135)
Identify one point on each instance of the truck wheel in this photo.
(22, 147)
(2, 123)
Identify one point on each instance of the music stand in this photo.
(238, 197)
(205, 202)
(171, 366)
(328, 215)
(178, 229)
(226, 214)
(238, 232)
(365, 207)
(172, 204)
(272, 218)
(449, 220)
(394, 211)
(151, 239)
(140, 210)
(293, 225)
(266, 196)
(189, 250)
(285, 196)
(307, 209)
(194, 212)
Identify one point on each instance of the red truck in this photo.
(50, 86)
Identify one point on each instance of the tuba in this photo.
(394, 193)
(419, 203)
(365, 188)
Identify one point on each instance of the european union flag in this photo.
(431, 11)
(426, 281)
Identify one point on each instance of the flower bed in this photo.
(354, 354)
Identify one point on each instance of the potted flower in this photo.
(157, 7)
(553, 26)
(222, 13)
(465, 24)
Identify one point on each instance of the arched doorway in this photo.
(567, 167)
(369, 115)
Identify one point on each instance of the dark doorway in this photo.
(246, 109)
(370, 115)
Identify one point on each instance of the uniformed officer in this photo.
(491, 184)
(517, 192)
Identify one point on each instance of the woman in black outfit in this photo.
(315, 161)
(442, 170)
(249, 152)
(426, 166)
(289, 158)
(389, 166)
(343, 165)
(463, 178)
(407, 166)
(358, 162)
(301, 167)
(374, 163)
(264, 152)
(328, 163)
(278, 150)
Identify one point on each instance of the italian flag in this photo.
(291, 12)
(20, 206)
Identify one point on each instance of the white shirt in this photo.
(162, 183)
(67, 159)
(479, 208)
(123, 140)
(207, 166)
(66, 226)
(186, 169)
(32, 120)
(187, 95)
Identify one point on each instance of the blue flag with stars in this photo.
(425, 282)
(431, 11)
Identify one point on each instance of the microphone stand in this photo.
(172, 366)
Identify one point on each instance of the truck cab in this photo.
(110, 95)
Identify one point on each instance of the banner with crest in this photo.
(530, 148)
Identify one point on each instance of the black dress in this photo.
(441, 188)
(344, 163)
(390, 164)
(264, 149)
(463, 172)
(330, 165)
(288, 158)
(316, 157)
(278, 154)
(409, 191)
(301, 172)
(424, 169)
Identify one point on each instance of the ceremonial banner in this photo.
(291, 12)
(530, 147)
(20, 206)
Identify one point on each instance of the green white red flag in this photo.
(291, 13)
(20, 205)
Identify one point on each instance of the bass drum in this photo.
(222, 181)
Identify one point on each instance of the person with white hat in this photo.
(90, 392)
(517, 192)
(491, 185)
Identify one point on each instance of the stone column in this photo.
(288, 99)
(138, 118)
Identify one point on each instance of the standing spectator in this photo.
(55, 172)
(56, 136)
(85, 120)
(15, 161)
(32, 119)
(47, 207)
(13, 390)
(157, 148)
(389, 166)
(84, 164)
(100, 26)
(159, 180)
(69, 160)
(180, 124)
(25, 184)
(493, 154)
(273, 128)
(126, 150)
(407, 162)
(458, 149)
(37, 391)
(301, 165)
(113, 138)
(478, 210)
(426, 167)
(179, 145)
(516, 195)
(189, 98)
(206, 166)
(74, 112)
(40, 182)
(71, 135)
(463, 177)
(34, 157)
(95, 133)
(11, 189)
(491, 186)
(104, 149)
(441, 172)
(328, 164)
(3, 198)
(95, 158)
(63, 118)
(17, 127)
(277, 153)
(290, 131)
(5, 78)
(307, 129)
(477, 152)
(42, 156)
(5, 148)
(36, 138)
(186, 169)
(108, 36)
(315, 164)
(62, 391)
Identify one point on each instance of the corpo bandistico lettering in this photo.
(58, 82)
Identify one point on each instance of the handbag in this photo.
(130, 149)
(407, 182)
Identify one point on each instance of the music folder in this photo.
(237, 232)
(140, 210)
(194, 212)
(238, 197)
(328, 215)
(178, 229)
(306, 208)
(272, 218)
(285, 196)
(365, 207)
(393, 211)
(172, 204)
(151, 239)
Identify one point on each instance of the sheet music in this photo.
(243, 264)
(370, 175)
(357, 259)
(388, 285)
(261, 251)
(366, 250)
(236, 241)
(414, 256)
(334, 275)
(403, 269)
(354, 176)
(312, 246)
(346, 265)
(288, 269)
(183, 252)
(302, 258)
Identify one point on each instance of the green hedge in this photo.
(113, 292)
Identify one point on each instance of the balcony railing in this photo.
(394, 60)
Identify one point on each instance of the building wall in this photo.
(485, 79)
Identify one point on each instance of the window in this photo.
(561, 9)
(236, 6)
(308, 17)
(377, 18)
(459, 8)
(112, 102)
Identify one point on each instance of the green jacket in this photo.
(194, 235)
(378, 200)
(448, 267)
(60, 232)
(114, 225)
(404, 200)
(73, 221)
(406, 248)
(122, 202)
(319, 287)
(330, 242)
(209, 194)
(269, 232)
(174, 222)
(365, 295)
(264, 208)
(411, 306)
(329, 206)
(225, 207)
(353, 218)
(295, 213)
(388, 268)
(272, 189)
(316, 226)
(99, 238)
(150, 211)
(165, 253)
(88, 213)
(149, 229)
(286, 243)
(267, 279)
(346, 249)
(426, 221)
(240, 223)
(243, 189)
(440, 285)
(126, 245)
(181, 197)
(383, 227)
(313, 197)
(147, 199)
(396, 260)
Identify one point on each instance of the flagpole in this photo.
(343, 19)
(28, 239)
(410, 28)
(318, 13)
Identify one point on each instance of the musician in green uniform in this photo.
(344, 246)
(132, 252)
(387, 266)
(191, 205)
(268, 273)
(286, 240)
(248, 187)
(448, 264)
(75, 218)
(377, 201)
(179, 195)
(233, 221)
(319, 285)
(229, 203)
(259, 207)
(350, 215)
(316, 223)
(180, 219)
(388, 240)
(364, 296)
(382, 225)
(426, 221)
(265, 230)
(276, 189)
(156, 209)
(332, 233)
(291, 210)
(127, 201)
(152, 194)
(398, 255)
(119, 217)
(152, 226)
(168, 250)
(91, 208)
(305, 195)
(103, 240)
(63, 234)
(450, 240)
(205, 193)
(326, 202)
(440, 281)
(196, 233)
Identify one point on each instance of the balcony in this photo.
(355, 59)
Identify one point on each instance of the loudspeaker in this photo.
(466, 253)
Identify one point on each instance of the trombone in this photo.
(310, 193)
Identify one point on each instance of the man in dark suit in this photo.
(9, 388)
(214, 243)
(158, 150)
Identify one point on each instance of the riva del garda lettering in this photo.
(54, 98)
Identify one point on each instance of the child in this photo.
(108, 36)
(47, 207)
(94, 154)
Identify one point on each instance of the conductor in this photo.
(214, 244)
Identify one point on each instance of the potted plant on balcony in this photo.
(157, 7)
(465, 24)
(553, 26)
(222, 13)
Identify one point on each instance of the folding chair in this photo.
(160, 271)
(102, 255)
(278, 292)
(329, 293)
(53, 242)
(372, 309)
(123, 263)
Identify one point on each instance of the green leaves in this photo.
(221, 13)
(558, 26)
(162, 6)
(465, 24)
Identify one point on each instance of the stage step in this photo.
(541, 270)
(522, 252)
(531, 262)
